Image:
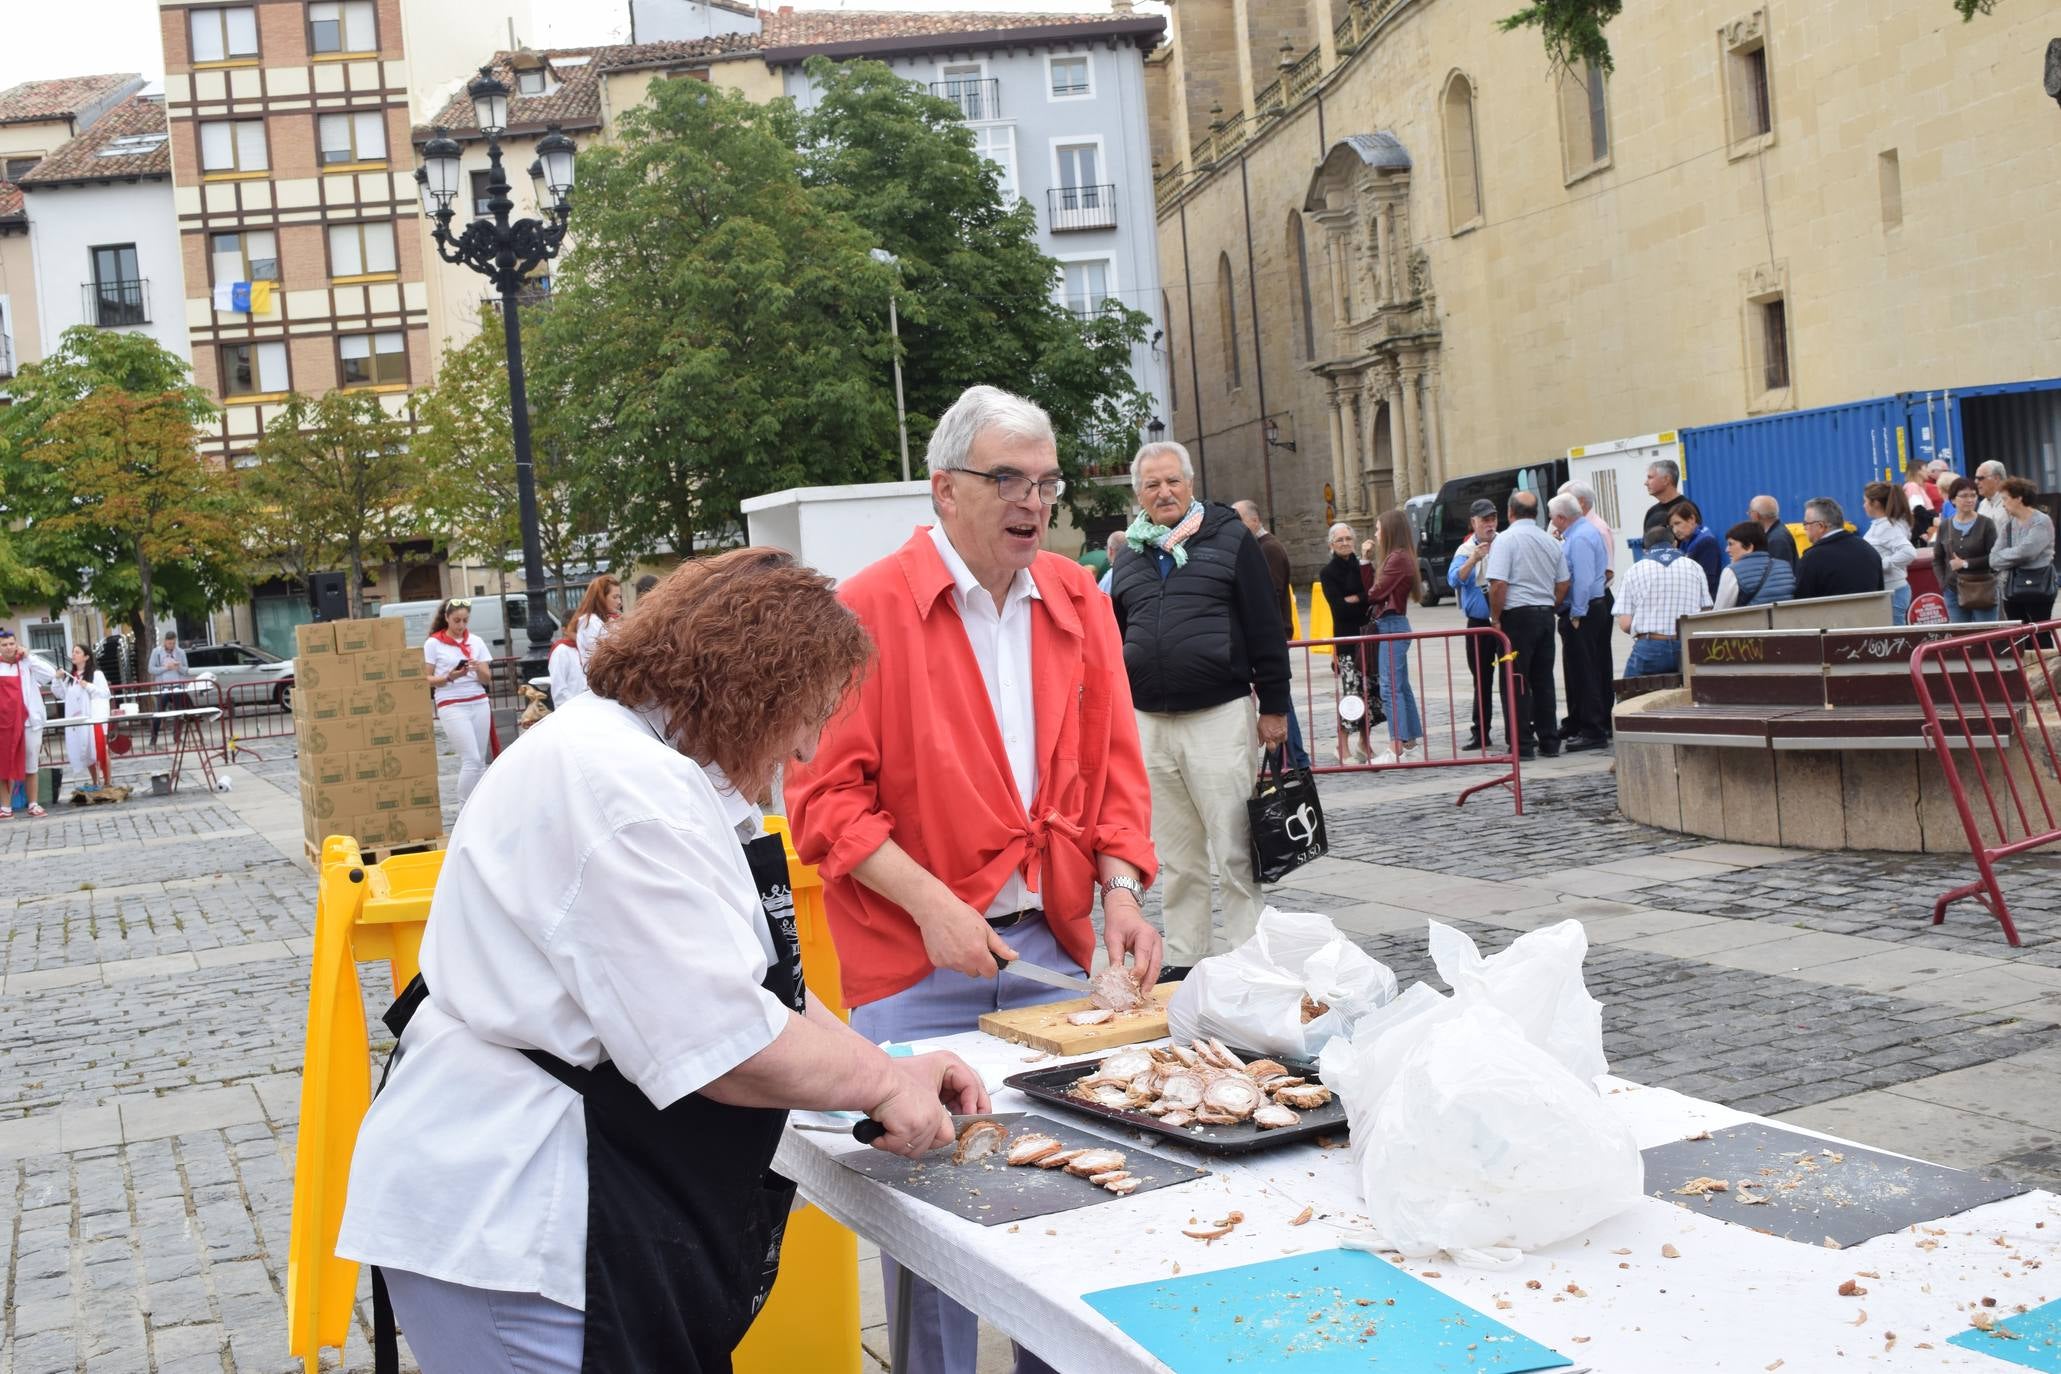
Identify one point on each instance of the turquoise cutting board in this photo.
(2031, 1340)
(1313, 1314)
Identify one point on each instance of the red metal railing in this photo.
(254, 711)
(129, 737)
(1430, 656)
(1998, 690)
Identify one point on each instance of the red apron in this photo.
(14, 726)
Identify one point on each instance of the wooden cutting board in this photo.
(1045, 1027)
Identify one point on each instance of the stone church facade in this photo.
(1399, 245)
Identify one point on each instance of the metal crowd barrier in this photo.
(251, 711)
(135, 731)
(1992, 715)
(1444, 703)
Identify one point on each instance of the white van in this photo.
(503, 625)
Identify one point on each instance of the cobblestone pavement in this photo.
(153, 987)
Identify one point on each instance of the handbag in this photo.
(2027, 582)
(1286, 819)
(1975, 591)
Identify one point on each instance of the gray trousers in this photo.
(943, 1336)
(453, 1329)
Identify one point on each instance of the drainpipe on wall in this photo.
(1259, 362)
(1194, 374)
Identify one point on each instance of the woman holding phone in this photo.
(458, 675)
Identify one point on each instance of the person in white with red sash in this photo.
(602, 605)
(86, 698)
(21, 721)
(458, 677)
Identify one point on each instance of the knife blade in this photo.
(1038, 973)
(869, 1130)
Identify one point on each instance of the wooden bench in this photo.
(1821, 689)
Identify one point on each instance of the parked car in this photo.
(1445, 520)
(238, 665)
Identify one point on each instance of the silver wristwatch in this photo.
(1130, 885)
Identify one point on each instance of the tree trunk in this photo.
(143, 571)
(357, 580)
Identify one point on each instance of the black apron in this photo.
(684, 1214)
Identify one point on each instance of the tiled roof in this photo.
(576, 102)
(816, 28)
(10, 202)
(32, 101)
(81, 160)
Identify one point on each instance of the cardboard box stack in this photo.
(367, 741)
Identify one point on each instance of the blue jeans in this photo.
(1958, 614)
(1397, 698)
(1652, 657)
(1900, 605)
(1298, 757)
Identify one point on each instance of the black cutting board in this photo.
(1816, 1190)
(992, 1192)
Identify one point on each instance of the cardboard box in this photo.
(321, 737)
(366, 765)
(320, 770)
(371, 699)
(337, 801)
(407, 728)
(313, 705)
(355, 636)
(410, 666)
(407, 761)
(409, 794)
(389, 635)
(325, 673)
(312, 641)
(375, 666)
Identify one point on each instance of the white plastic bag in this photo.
(1484, 1144)
(1537, 982)
(1252, 997)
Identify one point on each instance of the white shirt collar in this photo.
(743, 817)
(964, 583)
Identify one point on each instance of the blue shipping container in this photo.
(1832, 451)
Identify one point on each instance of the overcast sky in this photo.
(39, 39)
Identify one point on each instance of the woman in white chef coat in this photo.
(568, 1167)
(86, 698)
(458, 675)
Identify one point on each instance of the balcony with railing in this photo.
(976, 98)
(1081, 207)
(116, 304)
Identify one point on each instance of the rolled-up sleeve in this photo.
(834, 801)
(660, 945)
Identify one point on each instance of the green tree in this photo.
(467, 448)
(106, 496)
(1573, 29)
(975, 290)
(21, 583)
(343, 468)
(706, 339)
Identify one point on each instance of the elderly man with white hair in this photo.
(1201, 636)
(983, 783)
(1989, 480)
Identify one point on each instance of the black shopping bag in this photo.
(1287, 821)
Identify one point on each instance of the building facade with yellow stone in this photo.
(1413, 248)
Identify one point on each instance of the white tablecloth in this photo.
(1734, 1300)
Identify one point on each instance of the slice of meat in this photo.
(1029, 1149)
(1088, 1163)
(1094, 1016)
(1058, 1159)
(1116, 989)
(978, 1140)
(1121, 1186)
(1111, 1176)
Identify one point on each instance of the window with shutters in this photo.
(351, 139)
(249, 255)
(254, 369)
(342, 28)
(366, 360)
(225, 36)
(362, 250)
(231, 148)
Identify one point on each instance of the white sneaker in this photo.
(1384, 758)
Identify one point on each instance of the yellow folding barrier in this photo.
(1320, 618)
(366, 912)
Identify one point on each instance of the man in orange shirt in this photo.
(985, 779)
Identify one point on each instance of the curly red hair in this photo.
(741, 653)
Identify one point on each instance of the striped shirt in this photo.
(1660, 590)
(1531, 561)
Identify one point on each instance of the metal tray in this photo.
(1050, 1085)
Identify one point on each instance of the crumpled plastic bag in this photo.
(1537, 982)
(1252, 997)
(1471, 1133)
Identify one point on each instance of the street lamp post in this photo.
(894, 330)
(505, 252)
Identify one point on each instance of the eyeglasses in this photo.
(459, 603)
(1014, 486)
(1821, 524)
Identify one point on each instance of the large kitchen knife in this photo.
(1038, 973)
(869, 1130)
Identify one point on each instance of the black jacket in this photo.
(1781, 543)
(1840, 564)
(1209, 631)
(1341, 579)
